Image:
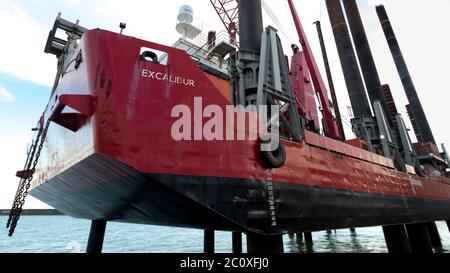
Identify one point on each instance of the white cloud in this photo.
(13, 155)
(73, 2)
(6, 96)
(21, 49)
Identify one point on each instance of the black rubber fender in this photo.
(275, 159)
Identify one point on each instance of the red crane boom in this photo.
(229, 14)
(329, 124)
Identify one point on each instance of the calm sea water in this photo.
(61, 234)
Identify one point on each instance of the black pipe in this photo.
(250, 25)
(237, 242)
(352, 75)
(434, 235)
(330, 81)
(366, 61)
(263, 244)
(209, 242)
(419, 238)
(416, 106)
(396, 239)
(96, 237)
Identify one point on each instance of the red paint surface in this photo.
(303, 88)
(132, 123)
(329, 123)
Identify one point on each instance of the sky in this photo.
(26, 72)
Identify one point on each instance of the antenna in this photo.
(122, 27)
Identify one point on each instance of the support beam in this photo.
(397, 239)
(237, 242)
(299, 236)
(434, 235)
(263, 244)
(209, 242)
(419, 238)
(96, 237)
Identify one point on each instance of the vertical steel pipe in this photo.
(308, 238)
(419, 238)
(366, 61)
(96, 237)
(250, 25)
(416, 106)
(352, 75)
(263, 244)
(397, 239)
(330, 81)
(209, 242)
(434, 235)
(237, 242)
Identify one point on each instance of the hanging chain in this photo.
(27, 166)
(25, 183)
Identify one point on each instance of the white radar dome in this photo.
(186, 14)
(184, 23)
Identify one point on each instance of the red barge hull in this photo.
(109, 155)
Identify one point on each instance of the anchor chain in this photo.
(30, 154)
(25, 182)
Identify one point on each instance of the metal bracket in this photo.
(57, 45)
(263, 80)
(85, 105)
